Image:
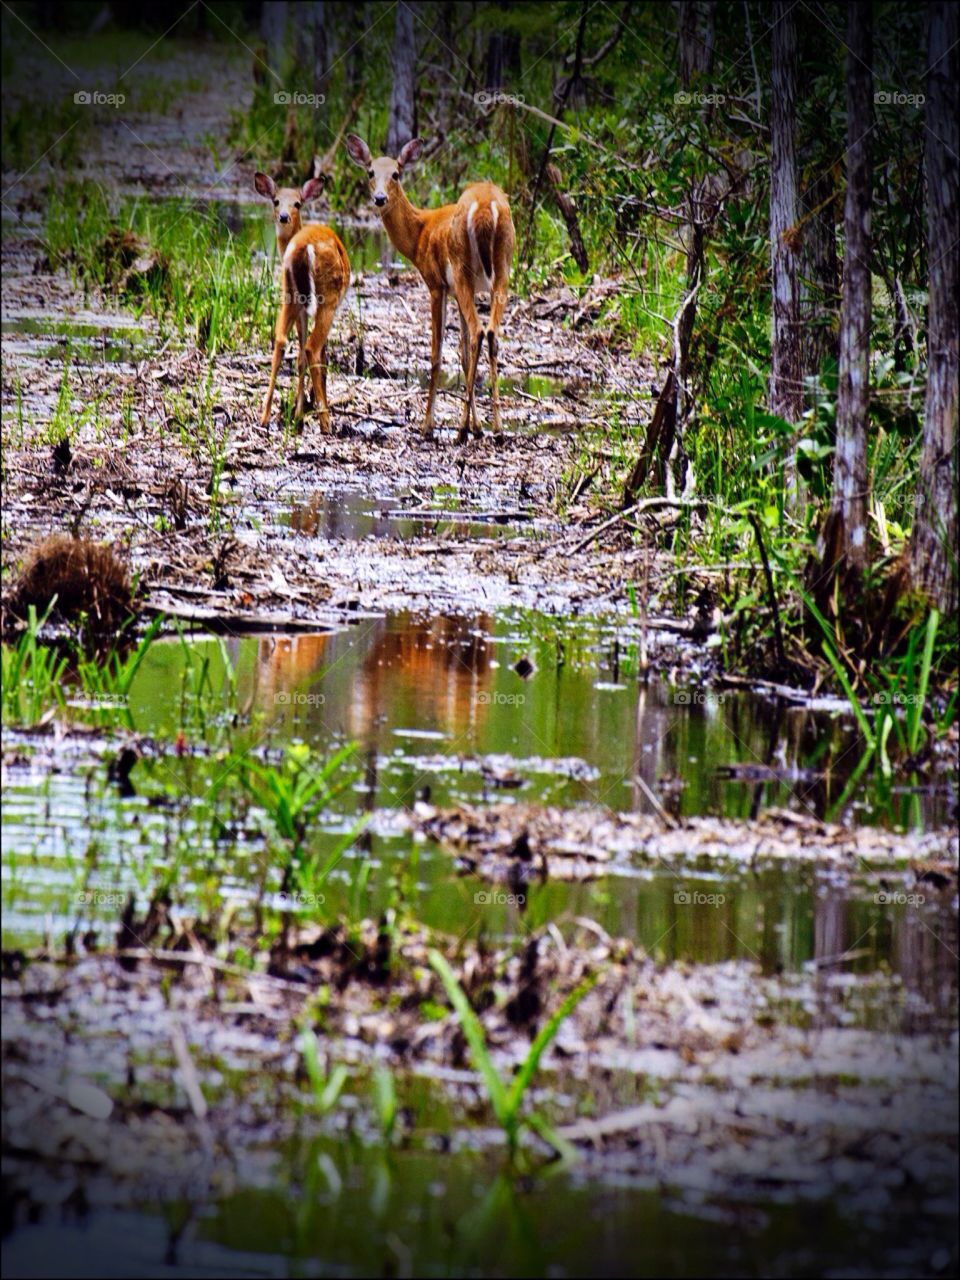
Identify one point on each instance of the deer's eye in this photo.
(296, 204)
(369, 173)
(396, 176)
(276, 204)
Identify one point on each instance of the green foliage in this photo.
(385, 1094)
(183, 261)
(507, 1100)
(325, 1086)
(39, 679)
(32, 677)
(295, 792)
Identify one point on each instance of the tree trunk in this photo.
(697, 26)
(663, 447)
(848, 511)
(402, 119)
(932, 556)
(354, 57)
(306, 15)
(320, 53)
(503, 56)
(819, 277)
(273, 29)
(786, 394)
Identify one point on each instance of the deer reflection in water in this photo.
(418, 674)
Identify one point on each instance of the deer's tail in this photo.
(482, 225)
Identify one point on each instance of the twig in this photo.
(777, 632)
(643, 505)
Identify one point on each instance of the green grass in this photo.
(507, 1100)
(200, 277)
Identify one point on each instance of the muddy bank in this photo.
(213, 507)
(520, 843)
(719, 1081)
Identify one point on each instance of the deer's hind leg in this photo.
(468, 314)
(498, 302)
(465, 364)
(317, 361)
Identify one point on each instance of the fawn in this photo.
(463, 248)
(314, 275)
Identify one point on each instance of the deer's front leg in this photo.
(279, 343)
(438, 309)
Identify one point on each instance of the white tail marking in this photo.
(312, 304)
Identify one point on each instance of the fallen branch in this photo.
(643, 505)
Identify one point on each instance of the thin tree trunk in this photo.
(661, 444)
(933, 544)
(697, 26)
(402, 119)
(320, 53)
(273, 29)
(786, 395)
(304, 18)
(354, 58)
(819, 277)
(849, 505)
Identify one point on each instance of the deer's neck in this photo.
(284, 236)
(404, 222)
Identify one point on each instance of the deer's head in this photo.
(383, 174)
(287, 201)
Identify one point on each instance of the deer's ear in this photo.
(358, 151)
(265, 186)
(312, 187)
(410, 152)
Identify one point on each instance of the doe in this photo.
(463, 249)
(314, 275)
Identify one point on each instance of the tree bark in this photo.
(932, 556)
(402, 119)
(354, 58)
(662, 443)
(786, 393)
(320, 53)
(273, 29)
(697, 28)
(819, 277)
(849, 504)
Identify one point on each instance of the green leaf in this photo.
(545, 1035)
(476, 1041)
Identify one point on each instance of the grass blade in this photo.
(473, 1032)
